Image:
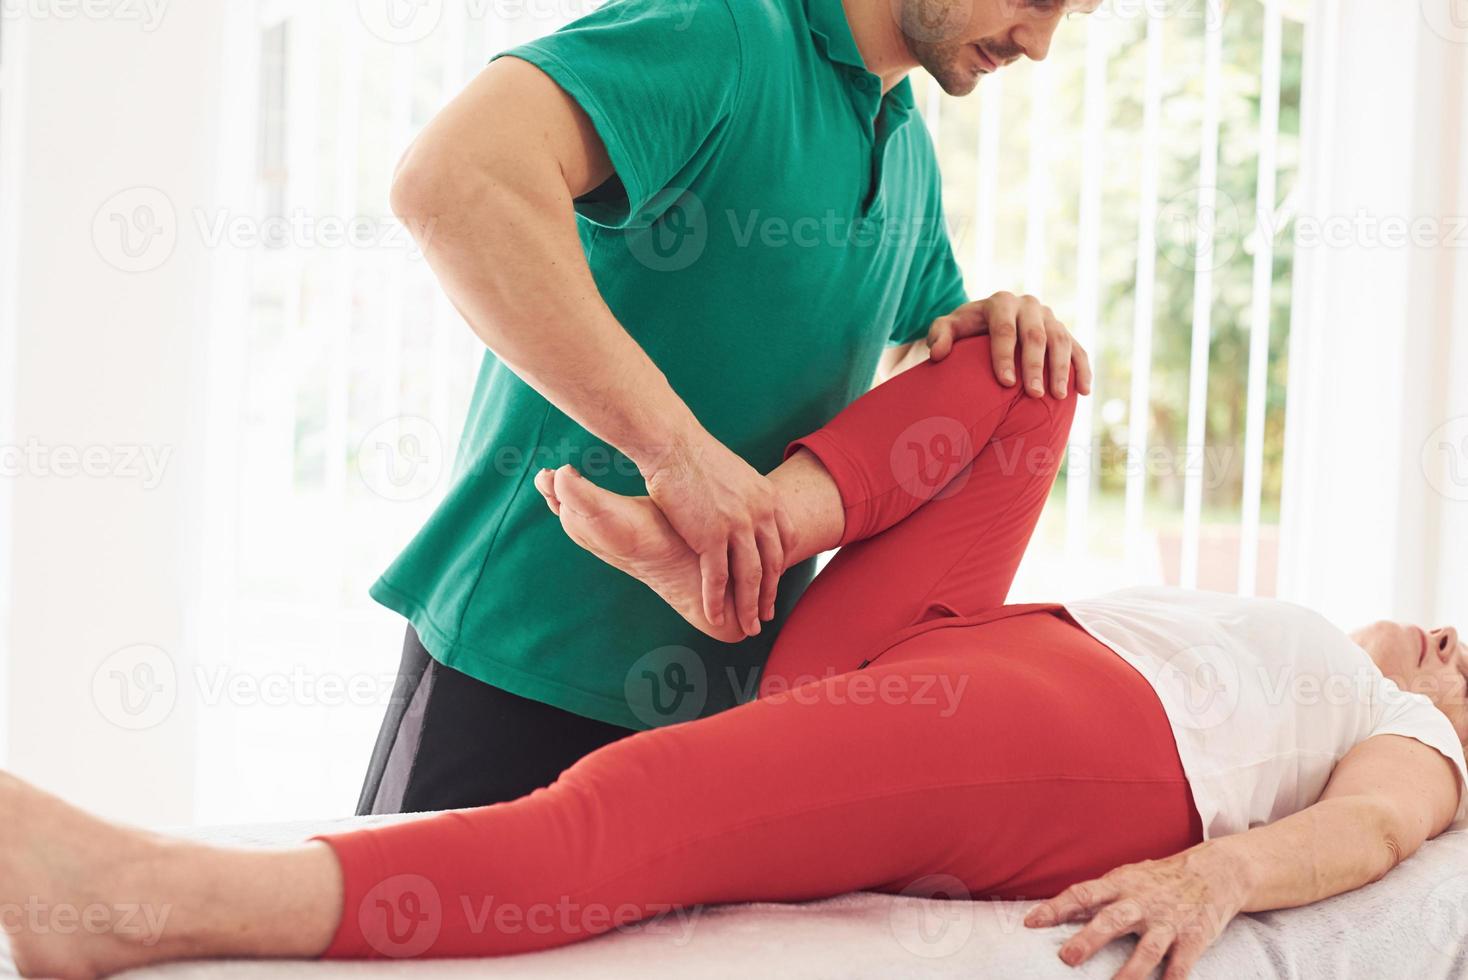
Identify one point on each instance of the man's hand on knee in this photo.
(1023, 329)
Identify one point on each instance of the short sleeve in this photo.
(935, 283)
(658, 80)
(1413, 715)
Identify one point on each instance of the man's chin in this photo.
(953, 72)
(956, 81)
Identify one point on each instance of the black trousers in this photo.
(451, 741)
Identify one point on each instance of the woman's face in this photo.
(1431, 662)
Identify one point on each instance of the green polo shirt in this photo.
(774, 221)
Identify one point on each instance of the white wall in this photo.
(1451, 529)
(109, 364)
(1378, 348)
(1434, 552)
(12, 128)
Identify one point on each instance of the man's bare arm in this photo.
(488, 189)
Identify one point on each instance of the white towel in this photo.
(1412, 923)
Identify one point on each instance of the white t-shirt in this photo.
(1264, 697)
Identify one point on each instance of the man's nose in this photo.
(1036, 47)
(1445, 638)
(1035, 39)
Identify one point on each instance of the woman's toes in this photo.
(631, 534)
(578, 493)
(612, 526)
(545, 482)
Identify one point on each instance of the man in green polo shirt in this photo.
(686, 230)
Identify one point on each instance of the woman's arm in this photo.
(1387, 796)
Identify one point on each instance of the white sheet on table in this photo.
(1412, 923)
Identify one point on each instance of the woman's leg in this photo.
(942, 474)
(933, 482)
(959, 753)
(81, 897)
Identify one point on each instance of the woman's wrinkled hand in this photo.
(1177, 907)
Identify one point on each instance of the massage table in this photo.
(1413, 923)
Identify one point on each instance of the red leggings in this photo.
(910, 728)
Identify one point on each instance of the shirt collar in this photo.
(833, 35)
(901, 94)
(828, 23)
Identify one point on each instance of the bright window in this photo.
(1120, 181)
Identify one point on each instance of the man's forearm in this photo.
(506, 252)
(1331, 847)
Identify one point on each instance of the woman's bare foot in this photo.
(71, 888)
(631, 534)
(82, 898)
